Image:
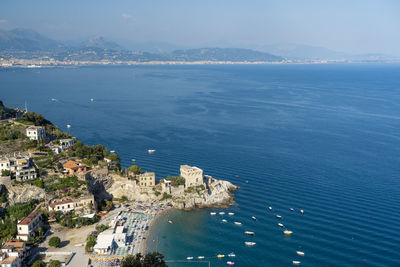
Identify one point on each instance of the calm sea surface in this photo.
(323, 138)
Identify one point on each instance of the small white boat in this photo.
(53, 99)
(291, 209)
(231, 254)
(254, 218)
(231, 213)
(133, 160)
(280, 224)
(221, 213)
(213, 213)
(68, 126)
(112, 151)
(300, 253)
(151, 151)
(287, 232)
(230, 263)
(238, 223)
(296, 262)
(302, 211)
(224, 221)
(278, 216)
(170, 222)
(249, 233)
(200, 257)
(270, 208)
(189, 258)
(247, 243)
(91, 100)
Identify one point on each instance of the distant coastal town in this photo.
(64, 202)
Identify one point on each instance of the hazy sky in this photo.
(356, 26)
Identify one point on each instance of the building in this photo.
(64, 205)
(36, 132)
(147, 179)
(73, 167)
(85, 204)
(12, 254)
(66, 143)
(28, 226)
(4, 164)
(20, 167)
(105, 243)
(193, 175)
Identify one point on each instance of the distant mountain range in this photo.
(25, 43)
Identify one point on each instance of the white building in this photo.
(12, 253)
(193, 175)
(104, 243)
(66, 143)
(62, 205)
(36, 132)
(5, 164)
(20, 167)
(28, 226)
(120, 236)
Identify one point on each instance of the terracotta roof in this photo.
(65, 201)
(73, 165)
(28, 219)
(9, 260)
(15, 243)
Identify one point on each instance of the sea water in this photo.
(322, 138)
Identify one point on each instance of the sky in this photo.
(353, 26)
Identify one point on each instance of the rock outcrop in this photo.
(24, 193)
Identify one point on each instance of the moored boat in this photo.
(302, 211)
(230, 263)
(231, 213)
(280, 224)
(270, 208)
(296, 262)
(287, 232)
(200, 257)
(291, 209)
(247, 243)
(300, 253)
(224, 221)
(213, 213)
(220, 256)
(278, 216)
(221, 213)
(254, 218)
(151, 151)
(170, 222)
(231, 254)
(189, 258)
(249, 233)
(238, 223)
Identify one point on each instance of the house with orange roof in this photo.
(74, 167)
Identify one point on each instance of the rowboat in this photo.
(300, 253)
(247, 243)
(296, 262)
(221, 213)
(238, 223)
(302, 211)
(189, 258)
(220, 256)
(291, 209)
(224, 221)
(279, 216)
(270, 208)
(249, 233)
(280, 224)
(170, 222)
(231, 213)
(254, 218)
(200, 257)
(287, 232)
(231, 254)
(230, 263)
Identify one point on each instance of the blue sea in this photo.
(322, 138)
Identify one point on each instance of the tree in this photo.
(135, 169)
(153, 259)
(132, 261)
(113, 157)
(38, 263)
(5, 173)
(54, 241)
(54, 263)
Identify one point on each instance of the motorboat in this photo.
(220, 256)
(249, 233)
(302, 211)
(230, 263)
(213, 213)
(231, 254)
(68, 126)
(200, 257)
(291, 209)
(280, 224)
(270, 208)
(91, 100)
(238, 223)
(221, 213)
(254, 218)
(170, 222)
(151, 151)
(224, 221)
(300, 253)
(296, 262)
(231, 213)
(278, 216)
(247, 243)
(287, 232)
(112, 151)
(189, 258)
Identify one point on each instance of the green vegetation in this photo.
(157, 193)
(10, 133)
(3, 193)
(135, 169)
(33, 118)
(92, 237)
(176, 180)
(54, 241)
(54, 263)
(38, 263)
(9, 218)
(64, 184)
(166, 196)
(5, 173)
(192, 189)
(91, 154)
(70, 220)
(101, 228)
(154, 259)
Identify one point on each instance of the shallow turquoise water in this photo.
(323, 138)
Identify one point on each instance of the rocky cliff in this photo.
(24, 193)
